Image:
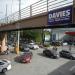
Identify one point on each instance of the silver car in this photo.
(33, 46)
(5, 65)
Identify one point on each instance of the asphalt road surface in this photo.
(40, 65)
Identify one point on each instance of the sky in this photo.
(13, 5)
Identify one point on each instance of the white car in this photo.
(65, 43)
(5, 65)
(33, 46)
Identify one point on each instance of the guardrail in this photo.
(34, 9)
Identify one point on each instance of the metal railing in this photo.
(34, 9)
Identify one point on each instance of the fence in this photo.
(37, 8)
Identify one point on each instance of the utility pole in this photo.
(18, 32)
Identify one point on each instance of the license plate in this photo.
(27, 59)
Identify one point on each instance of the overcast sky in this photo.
(13, 5)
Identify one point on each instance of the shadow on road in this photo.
(16, 59)
(41, 54)
(65, 69)
(2, 73)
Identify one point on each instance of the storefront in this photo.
(64, 35)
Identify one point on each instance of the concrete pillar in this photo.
(3, 42)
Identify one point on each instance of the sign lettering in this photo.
(60, 16)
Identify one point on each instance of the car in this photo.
(57, 43)
(50, 53)
(66, 54)
(65, 43)
(25, 57)
(5, 65)
(24, 48)
(33, 46)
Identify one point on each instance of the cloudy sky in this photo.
(12, 6)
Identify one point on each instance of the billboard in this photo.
(60, 16)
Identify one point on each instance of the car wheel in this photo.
(4, 70)
(54, 57)
(71, 58)
(44, 54)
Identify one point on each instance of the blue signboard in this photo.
(60, 16)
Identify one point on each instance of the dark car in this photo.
(25, 57)
(66, 54)
(50, 53)
(53, 43)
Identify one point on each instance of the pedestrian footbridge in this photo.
(33, 16)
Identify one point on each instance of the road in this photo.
(40, 65)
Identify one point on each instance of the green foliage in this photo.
(32, 34)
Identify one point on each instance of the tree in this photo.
(34, 34)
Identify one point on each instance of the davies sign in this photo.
(60, 16)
